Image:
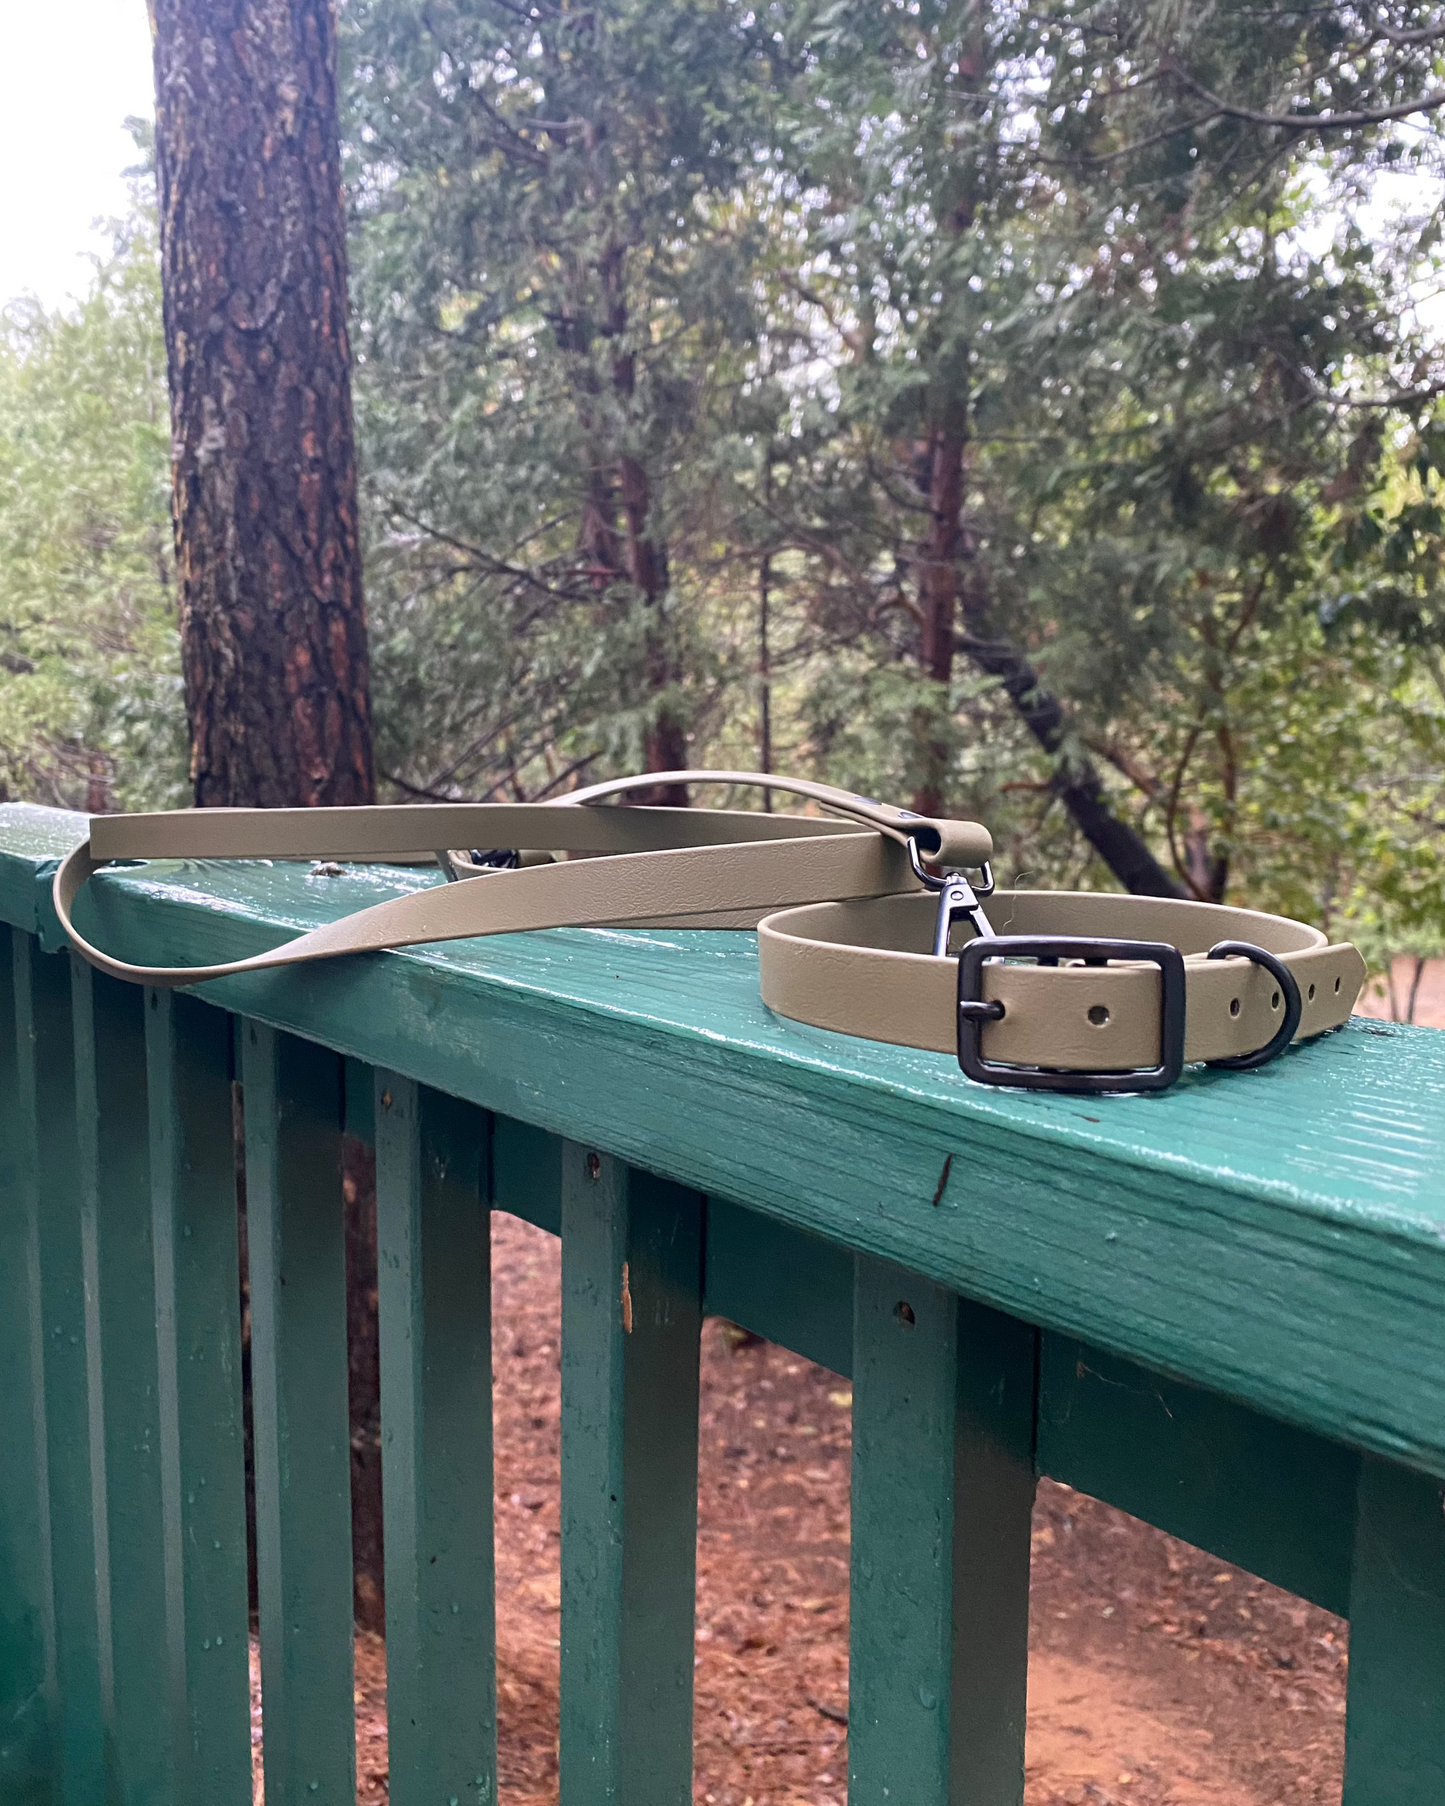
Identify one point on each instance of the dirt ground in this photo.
(1389, 996)
(1158, 1676)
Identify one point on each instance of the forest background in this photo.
(1032, 414)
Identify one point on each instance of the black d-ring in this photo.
(1293, 1006)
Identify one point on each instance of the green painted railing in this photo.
(1222, 1309)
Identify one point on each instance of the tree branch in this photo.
(1125, 764)
(1306, 122)
(1402, 40)
(1074, 781)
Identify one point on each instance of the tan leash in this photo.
(859, 917)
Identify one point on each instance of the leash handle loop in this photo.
(662, 866)
(851, 911)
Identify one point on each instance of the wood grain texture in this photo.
(32, 837)
(298, 1390)
(1202, 1467)
(1238, 1285)
(198, 1339)
(83, 1758)
(27, 1605)
(943, 1486)
(1251, 1233)
(631, 1323)
(114, 1203)
(434, 1301)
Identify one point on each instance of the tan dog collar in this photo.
(1084, 991)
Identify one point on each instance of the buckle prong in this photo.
(1048, 949)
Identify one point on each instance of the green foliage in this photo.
(825, 238)
(90, 699)
(550, 290)
(667, 306)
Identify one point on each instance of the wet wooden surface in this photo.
(1278, 1237)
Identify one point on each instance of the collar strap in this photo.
(844, 915)
(859, 967)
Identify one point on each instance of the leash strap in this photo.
(853, 928)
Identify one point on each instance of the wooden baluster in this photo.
(631, 1321)
(70, 1340)
(115, 1218)
(1395, 1722)
(297, 1249)
(28, 1688)
(526, 1168)
(943, 1484)
(434, 1303)
(202, 1442)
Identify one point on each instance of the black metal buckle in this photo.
(1289, 990)
(1048, 949)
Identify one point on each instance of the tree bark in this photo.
(634, 553)
(665, 740)
(939, 466)
(1075, 781)
(940, 463)
(253, 257)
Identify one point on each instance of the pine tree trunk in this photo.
(1075, 781)
(941, 471)
(253, 254)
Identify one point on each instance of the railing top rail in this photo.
(1278, 1236)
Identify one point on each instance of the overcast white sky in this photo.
(62, 143)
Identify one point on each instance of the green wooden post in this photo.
(115, 1215)
(1202, 1467)
(943, 1411)
(70, 1332)
(1395, 1724)
(198, 1341)
(631, 1321)
(434, 1304)
(297, 1247)
(526, 1173)
(27, 1607)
